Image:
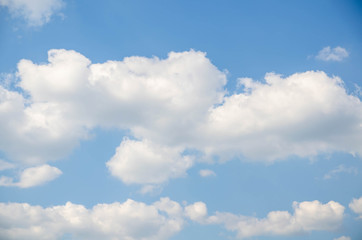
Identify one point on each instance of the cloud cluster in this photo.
(128, 220)
(332, 54)
(35, 12)
(170, 106)
(307, 216)
(133, 220)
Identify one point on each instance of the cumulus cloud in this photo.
(143, 162)
(33, 176)
(133, 220)
(303, 114)
(207, 173)
(129, 220)
(35, 12)
(308, 216)
(197, 211)
(332, 54)
(170, 106)
(356, 206)
(340, 169)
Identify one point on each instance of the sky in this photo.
(157, 120)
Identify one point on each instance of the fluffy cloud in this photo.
(143, 162)
(356, 206)
(308, 216)
(134, 220)
(171, 106)
(303, 114)
(159, 99)
(129, 220)
(206, 173)
(332, 54)
(35, 12)
(197, 211)
(33, 176)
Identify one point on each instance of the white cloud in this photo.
(207, 173)
(34, 12)
(342, 238)
(172, 105)
(33, 176)
(196, 212)
(144, 162)
(356, 206)
(332, 54)
(308, 216)
(340, 169)
(303, 114)
(129, 220)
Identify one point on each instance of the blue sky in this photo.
(180, 120)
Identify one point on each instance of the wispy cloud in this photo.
(35, 12)
(332, 54)
(207, 173)
(6, 165)
(340, 169)
(342, 238)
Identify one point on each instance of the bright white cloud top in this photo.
(34, 12)
(110, 109)
(332, 54)
(172, 105)
(145, 163)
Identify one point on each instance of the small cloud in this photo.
(340, 169)
(356, 206)
(36, 12)
(150, 189)
(207, 173)
(32, 177)
(332, 54)
(342, 238)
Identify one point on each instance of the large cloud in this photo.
(132, 220)
(303, 114)
(129, 220)
(171, 106)
(308, 216)
(35, 12)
